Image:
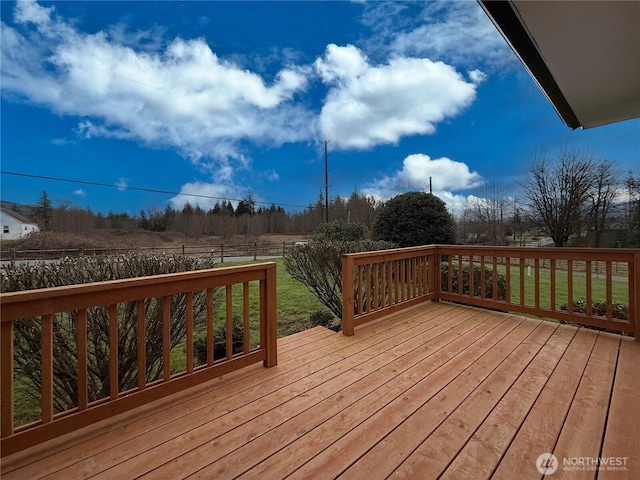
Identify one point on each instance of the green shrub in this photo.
(71, 271)
(340, 231)
(620, 310)
(477, 281)
(415, 218)
(219, 343)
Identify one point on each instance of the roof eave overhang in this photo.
(505, 17)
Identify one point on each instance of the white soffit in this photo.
(592, 51)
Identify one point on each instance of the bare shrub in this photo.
(70, 271)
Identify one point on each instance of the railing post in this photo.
(436, 274)
(347, 296)
(270, 312)
(6, 374)
(636, 299)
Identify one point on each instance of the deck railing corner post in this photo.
(347, 296)
(436, 276)
(271, 329)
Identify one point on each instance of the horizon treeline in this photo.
(223, 219)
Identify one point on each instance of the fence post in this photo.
(255, 250)
(284, 249)
(222, 253)
(13, 257)
(347, 296)
(183, 250)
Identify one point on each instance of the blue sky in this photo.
(219, 99)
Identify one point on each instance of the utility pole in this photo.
(326, 182)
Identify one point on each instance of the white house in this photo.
(15, 226)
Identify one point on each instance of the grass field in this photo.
(619, 288)
(296, 303)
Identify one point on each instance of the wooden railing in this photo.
(592, 287)
(49, 307)
(380, 282)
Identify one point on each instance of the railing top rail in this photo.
(381, 255)
(47, 300)
(564, 253)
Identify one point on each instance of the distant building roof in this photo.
(17, 216)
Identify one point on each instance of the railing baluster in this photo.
(449, 274)
(210, 332)
(113, 352)
(83, 385)
(142, 346)
(359, 290)
(166, 337)
(46, 348)
(460, 281)
(471, 277)
(522, 262)
(552, 274)
(588, 287)
(396, 266)
(494, 276)
(229, 322)
(508, 277)
(536, 276)
(189, 340)
(389, 283)
(570, 285)
(483, 280)
(245, 318)
(609, 275)
(376, 285)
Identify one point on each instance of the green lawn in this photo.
(619, 289)
(296, 303)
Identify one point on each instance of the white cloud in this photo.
(28, 11)
(447, 176)
(183, 97)
(477, 77)
(80, 192)
(206, 195)
(272, 175)
(374, 105)
(122, 183)
(457, 32)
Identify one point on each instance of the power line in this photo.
(139, 189)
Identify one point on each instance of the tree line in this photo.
(571, 196)
(223, 219)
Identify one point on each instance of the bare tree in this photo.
(560, 192)
(603, 198)
(488, 211)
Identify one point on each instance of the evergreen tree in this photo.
(44, 212)
(415, 218)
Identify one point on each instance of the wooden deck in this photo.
(435, 391)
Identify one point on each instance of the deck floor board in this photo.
(435, 391)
